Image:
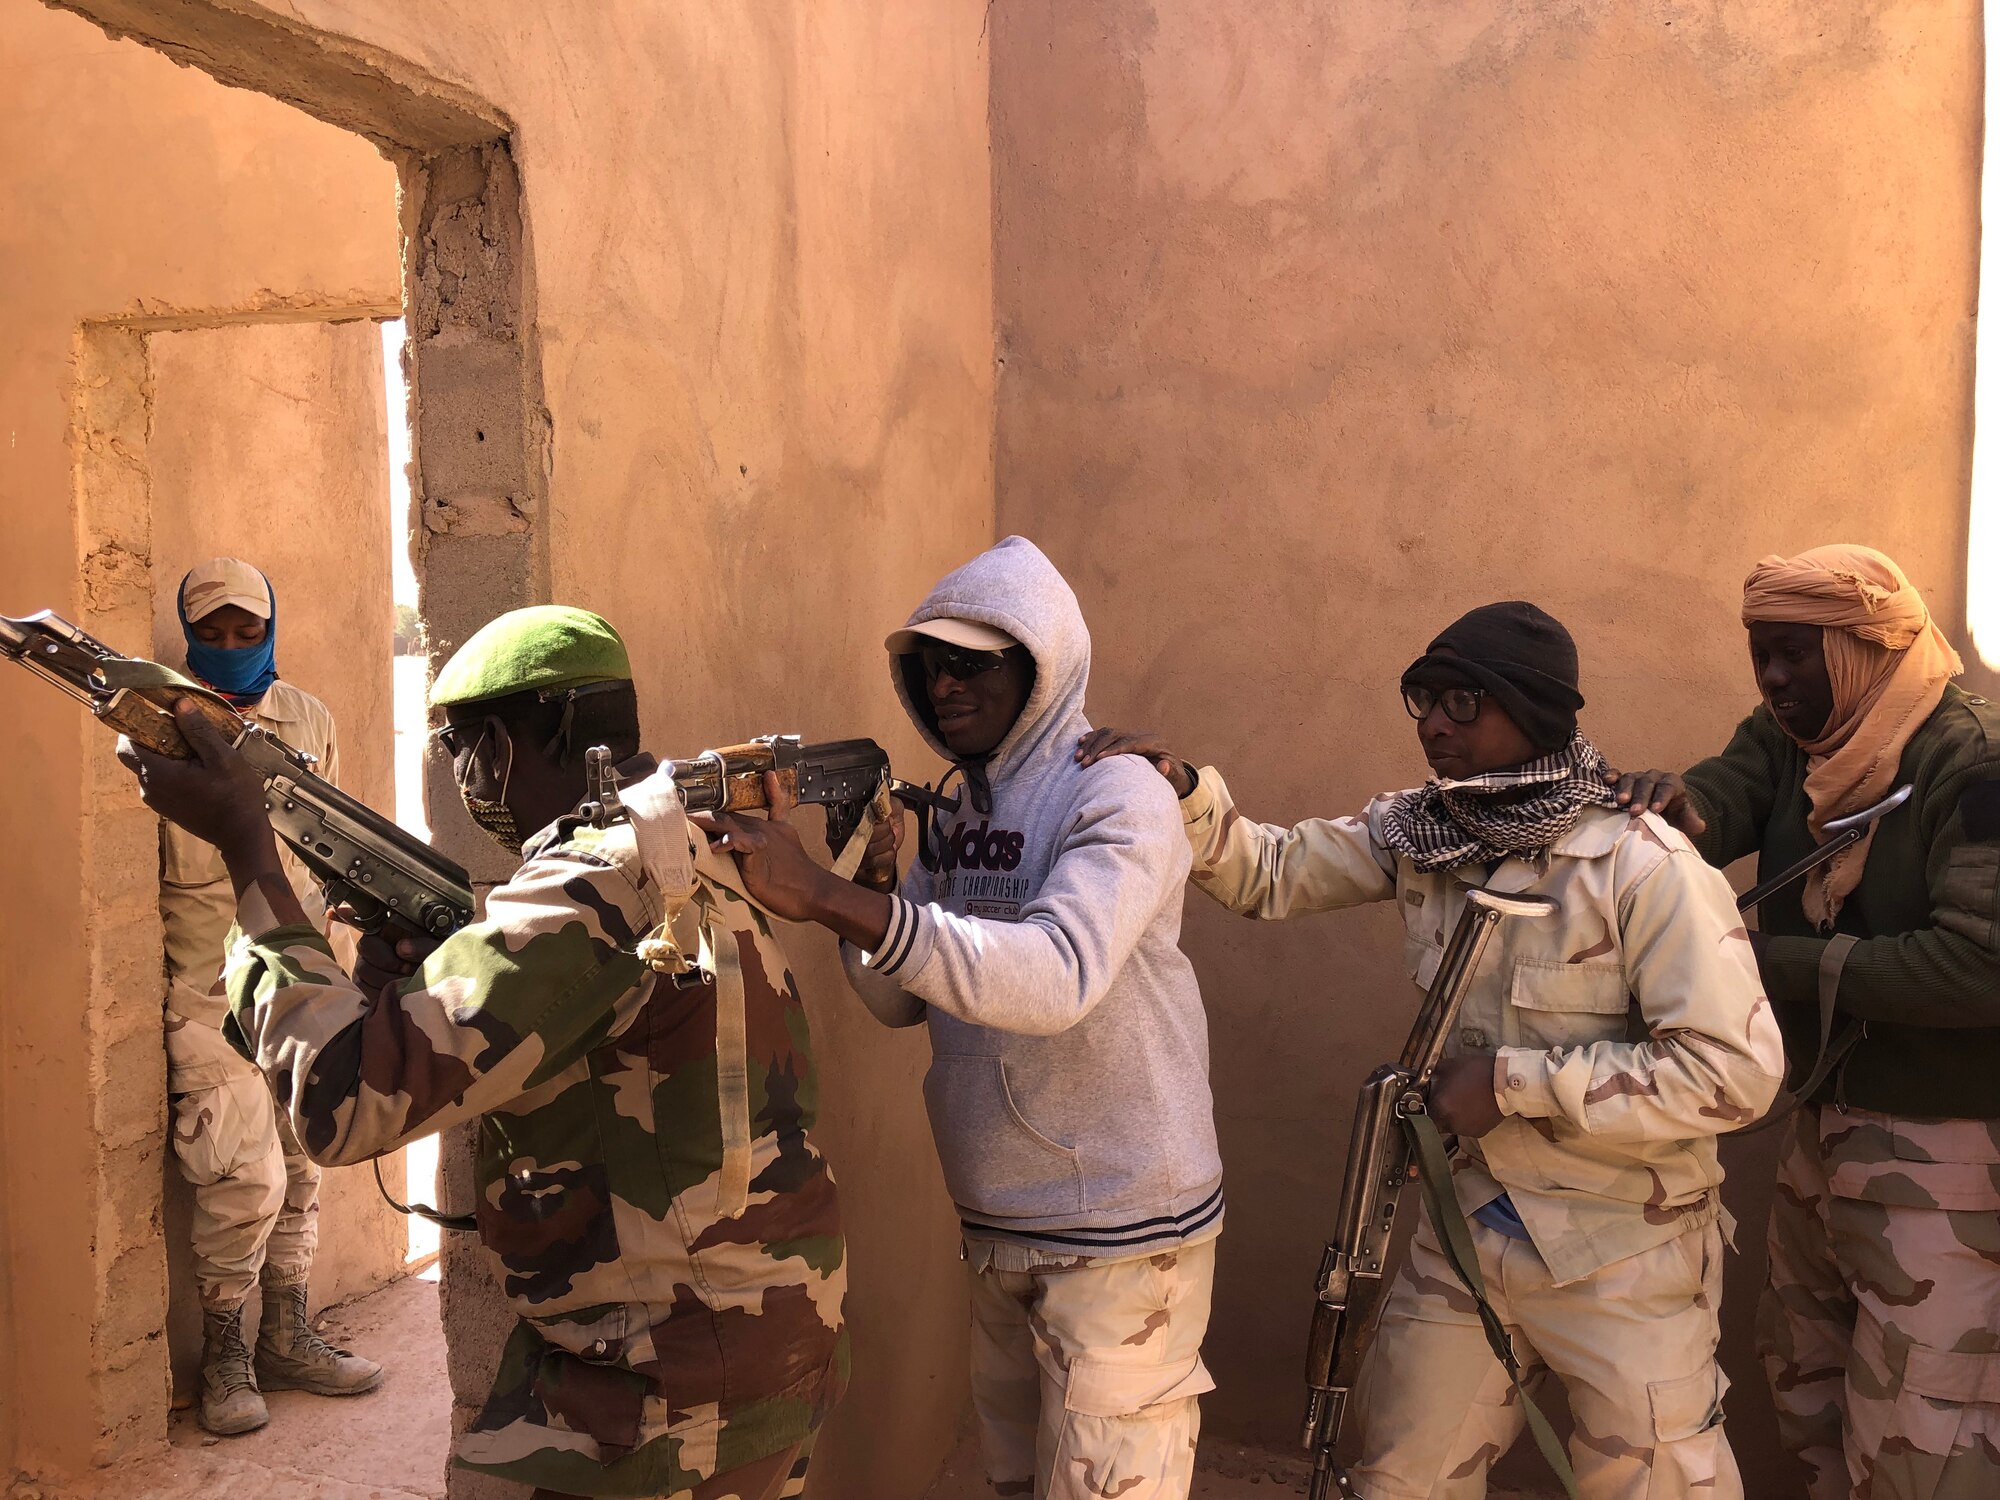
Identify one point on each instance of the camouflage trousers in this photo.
(1880, 1323)
(1633, 1345)
(1085, 1378)
(256, 1192)
(778, 1476)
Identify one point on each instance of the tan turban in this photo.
(1887, 663)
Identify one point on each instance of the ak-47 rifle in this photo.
(843, 776)
(1382, 1156)
(388, 878)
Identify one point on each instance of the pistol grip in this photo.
(146, 717)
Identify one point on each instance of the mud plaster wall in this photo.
(762, 311)
(1319, 324)
(269, 443)
(130, 186)
(754, 266)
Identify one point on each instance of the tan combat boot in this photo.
(229, 1400)
(291, 1357)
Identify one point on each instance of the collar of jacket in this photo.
(1595, 835)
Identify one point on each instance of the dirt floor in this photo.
(1223, 1471)
(388, 1445)
(392, 1444)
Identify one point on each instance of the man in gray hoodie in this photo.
(1038, 937)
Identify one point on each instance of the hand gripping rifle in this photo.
(389, 878)
(846, 777)
(1392, 1133)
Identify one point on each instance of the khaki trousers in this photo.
(1085, 1379)
(1633, 1345)
(256, 1192)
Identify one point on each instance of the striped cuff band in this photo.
(898, 942)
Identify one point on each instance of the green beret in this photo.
(546, 646)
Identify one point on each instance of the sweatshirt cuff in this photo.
(1524, 1083)
(906, 946)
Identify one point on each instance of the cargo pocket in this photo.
(994, 1161)
(1690, 1452)
(1941, 1440)
(219, 1131)
(1568, 1005)
(1128, 1431)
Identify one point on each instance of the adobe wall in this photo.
(1319, 323)
(269, 443)
(750, 245)
(131, 188)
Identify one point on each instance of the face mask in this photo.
(496, 818)
(242, 674)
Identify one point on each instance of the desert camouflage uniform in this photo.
(1880, 1328)
(663, 1341)
(256, 1193)
(1088, 1370)
(1629, 1033)
(1439, 1447)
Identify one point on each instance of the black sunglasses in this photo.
(1461, 704)
(456, 738)
(958, 662)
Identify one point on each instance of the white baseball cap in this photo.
(225, 580)
(971, 634)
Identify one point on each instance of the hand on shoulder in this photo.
(1660, 792)
(1100, 744)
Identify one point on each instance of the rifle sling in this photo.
(1832, 959)
(1448, 1224)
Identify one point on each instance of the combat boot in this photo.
(291, 1357)
(229, 1400)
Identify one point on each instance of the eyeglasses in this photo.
(455, 737)
(958, 662)
(1461, 704)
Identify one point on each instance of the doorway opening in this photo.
(410, 676)
(477, 471)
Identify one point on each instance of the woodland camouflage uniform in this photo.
(679, 1299)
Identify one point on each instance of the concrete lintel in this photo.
(347, 83)
(164, 319)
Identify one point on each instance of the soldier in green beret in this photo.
(665, 1230)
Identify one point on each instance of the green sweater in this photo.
(1922, 986)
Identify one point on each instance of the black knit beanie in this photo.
(1519, 654)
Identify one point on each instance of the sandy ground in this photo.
(1223, 1471)
(393, 1443)
(390, 1444)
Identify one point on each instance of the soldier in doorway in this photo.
(1880, 1326)
(665, 1230)
(256, 1193)
(1600, 1055)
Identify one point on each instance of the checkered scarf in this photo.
(1520, 811)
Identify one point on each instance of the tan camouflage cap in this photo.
(225, 580)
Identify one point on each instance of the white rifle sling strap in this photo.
(877, 811)
(687, 871)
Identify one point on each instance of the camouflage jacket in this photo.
(1630, 1031)
(660, 1340)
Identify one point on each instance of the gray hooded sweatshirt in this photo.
(1068, 1087)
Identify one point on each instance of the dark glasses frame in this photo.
(1461, 704)
(961, 662)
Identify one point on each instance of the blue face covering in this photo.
(242, 674)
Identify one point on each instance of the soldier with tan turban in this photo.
(1880, 1326)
